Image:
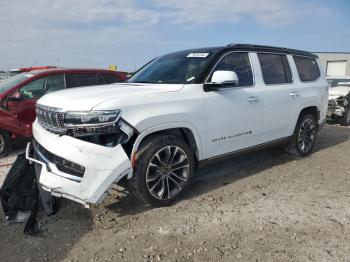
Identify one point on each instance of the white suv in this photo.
(176, 113)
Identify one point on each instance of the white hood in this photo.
(338, 91)
(85, 98)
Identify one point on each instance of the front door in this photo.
(24, 108)
(234, 114)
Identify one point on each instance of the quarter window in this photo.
(83, 79)
(275, 68)
(240, 64)
(307, 68)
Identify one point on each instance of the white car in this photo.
(339, 99)
(176, 113)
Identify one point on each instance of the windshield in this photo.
(177, 68)
(12, 81)
(339, 82)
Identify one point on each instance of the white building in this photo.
(334, 63)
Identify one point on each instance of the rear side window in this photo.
(307, 68)
(275, 68)
(240, 64)
(84, 79)
(111, 78)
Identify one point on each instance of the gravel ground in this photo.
(5, 165)
(266, 206)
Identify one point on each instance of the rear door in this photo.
(233, 113)
(82, 79)
(280, 97)
(312, 84)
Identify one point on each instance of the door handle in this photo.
(294, 94)
(253, 99)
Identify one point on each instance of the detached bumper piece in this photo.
(20, 193)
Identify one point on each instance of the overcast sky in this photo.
(96, 33)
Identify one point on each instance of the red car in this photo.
(19, 94)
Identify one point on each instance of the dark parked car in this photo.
(18, 96)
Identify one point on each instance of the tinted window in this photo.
(307, 68)
(177, 68)
(240, 64)
(39, 87)
(54, 83)
(275, 68)
(76, 80)
(110, 78)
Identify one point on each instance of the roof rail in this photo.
(265, 48)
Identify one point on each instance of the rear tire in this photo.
(304, 137)
(164, 167)
(345, 120)
(5, 143)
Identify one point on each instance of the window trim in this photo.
(318, 68)
(234, 87)
(290, 68)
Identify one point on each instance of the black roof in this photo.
(264, 48)
(254, 48)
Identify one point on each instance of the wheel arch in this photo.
(313, 110)
(183, 130)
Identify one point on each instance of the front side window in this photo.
(82, 79)
(177, 68)
(275, 68)
(307, 68)
(240, 64)
(39, 87)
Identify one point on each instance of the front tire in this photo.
(304, 137)
(164, 167)
(5, 143)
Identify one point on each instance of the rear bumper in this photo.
(102, 166)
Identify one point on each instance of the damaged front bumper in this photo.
(75, 169)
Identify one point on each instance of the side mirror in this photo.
(222, 79)
(15, 97)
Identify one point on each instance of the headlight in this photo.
(91, 118)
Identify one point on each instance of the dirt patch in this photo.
(265, 206)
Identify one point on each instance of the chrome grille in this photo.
(50, 118)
